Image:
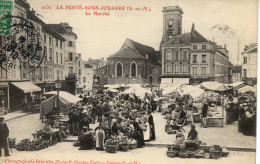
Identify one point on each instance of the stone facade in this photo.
(134, 63)
(249, 66)
(190, 55)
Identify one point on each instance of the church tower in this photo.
(172, 23)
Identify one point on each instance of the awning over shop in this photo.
(180, 80)
(213, 86)
(166, 81)
(65, 97)
(26, 86)
(247, 89)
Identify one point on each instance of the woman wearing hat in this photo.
(150, 121)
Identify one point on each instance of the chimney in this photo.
(33, 12)
(225, 46)
(146, 56)
(193, 27)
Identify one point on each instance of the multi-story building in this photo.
(249, 66)
(96, 63)
(85, 76)
(134, 63)
(69, 72)
(15, 77)
(189, 57)
(236, 74)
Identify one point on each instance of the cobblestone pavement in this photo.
(24, 127)
(65, 151)
(224, 136)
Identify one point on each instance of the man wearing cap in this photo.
(4, 133)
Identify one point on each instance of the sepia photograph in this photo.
(128, 81)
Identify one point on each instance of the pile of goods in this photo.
(202, 151)
(119, 143)
(111, 145)
(172, 125)
(42, 139)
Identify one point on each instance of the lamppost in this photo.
(57, 86)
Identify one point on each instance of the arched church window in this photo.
(133, 70)
(119, 69)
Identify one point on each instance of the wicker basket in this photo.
(111, 148)
(183, 154)
(172, 154)
(191, 153)
(124, 147)
(133, 146)
(215, 154)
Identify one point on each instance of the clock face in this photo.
(155, 71)
(170, 23)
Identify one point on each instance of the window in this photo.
(60, 44)
(204, 73)
(119, 70)
(180, 69)
(61, 58)
(204, 47)
(185, 69)
(194, 70)
(195, 47)
(176, 55)
(169, 56)
(70, 56)
(79, 63)
(169, 69)
(45, 39)
(84, 79)
(57, 42)
(244, 70)
(245, 60)
(57, 57)
(84, 86)
(176, 69)
(203, 59)
(61, 74)
(70, 69)
(184, 55)
(79, 72)
(133, 70)
(194, 59)
(50, 54)
(21, 15)
(58, 74)
(70, 43)
(181, 55)
(49, 40)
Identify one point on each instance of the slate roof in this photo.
(87, 65)
(45, 27)
(187, 38)
(251, 48)
(127, 53)
(60, 28)
(134, 50)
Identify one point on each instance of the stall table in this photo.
(215, 118)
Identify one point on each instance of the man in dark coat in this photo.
(4, 133)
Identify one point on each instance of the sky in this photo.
(101, 36)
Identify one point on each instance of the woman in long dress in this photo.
(150, 121)
(147, 133)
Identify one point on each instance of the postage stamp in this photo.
(22, 47)
(6, 9)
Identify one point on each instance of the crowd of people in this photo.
(116, 114)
